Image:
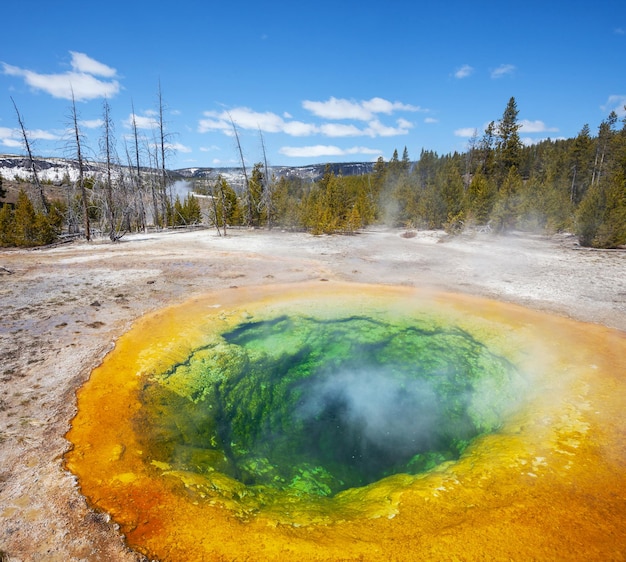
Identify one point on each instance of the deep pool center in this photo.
(317, 420)
(310, 406)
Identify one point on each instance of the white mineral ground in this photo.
(62, 309)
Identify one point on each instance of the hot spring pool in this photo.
(340, 421)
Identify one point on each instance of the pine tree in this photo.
(581, 156)
(378, 176)
(590, 216)
(509, 145)
(506, 210)
(406, 162)
(481, 196)
(256, 184)
(24, 221)
(486, 150)
(175, 214)
(192, 210)
(452, 193)
(6, 225)
(601, 217)
(603, 147)
(612, 231)
(353, 222)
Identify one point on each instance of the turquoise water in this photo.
(317, 406)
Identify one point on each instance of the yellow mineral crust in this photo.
(549, 485)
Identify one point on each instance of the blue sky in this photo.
(322, 81)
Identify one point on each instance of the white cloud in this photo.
(363, 150)
(299, 129)
(465, 132)
(8, 137)
(12, 143)
(431, 120)
(528, 141)
(246, 118)
(220, 163)
(615, 103)
(40, 134)
(380, 105)
(82, 63)
(619, 31)
(141, 121)
(463, 72)
(13, 137)
(6, 133)
(336, 108)
(324, 150)
(249, 119)
(340, 130)
(537, 126)
(81, 81)
(502, 70)
(377, 129)
(178, 147)
(206, 125)
(92, 123)
(268, 122)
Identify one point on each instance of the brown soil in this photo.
(62, 309)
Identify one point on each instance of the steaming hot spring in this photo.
(352, 422)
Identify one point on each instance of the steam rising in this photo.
(372, 412)
(318, 406)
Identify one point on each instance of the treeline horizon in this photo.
(499, 184)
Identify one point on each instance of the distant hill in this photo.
(59, 170)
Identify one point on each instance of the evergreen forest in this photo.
(497, 185)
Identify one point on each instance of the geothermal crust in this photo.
(63, 308)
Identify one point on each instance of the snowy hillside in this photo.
(59, 170)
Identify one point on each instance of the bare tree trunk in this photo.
(605, 133)
(267, 188)
(81, 166)
(595, 167)
(572, 194)
(216, 219)
(107, 143)
(162, 144)
(42, 195)
(138, 180)
(247, 194)
(152, 166)
(225, 209)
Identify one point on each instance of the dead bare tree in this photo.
(108, 150)
(220, 204)
(33, 167)
(605, 133)
(78, 153)
(267, 185)
(247, 195)
(137, 166)
(135, 210)
(153, 162)
(216, 219)
(164, 147)
(158, 186)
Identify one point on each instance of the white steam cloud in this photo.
(390, 414)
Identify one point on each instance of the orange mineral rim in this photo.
(548, 483)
